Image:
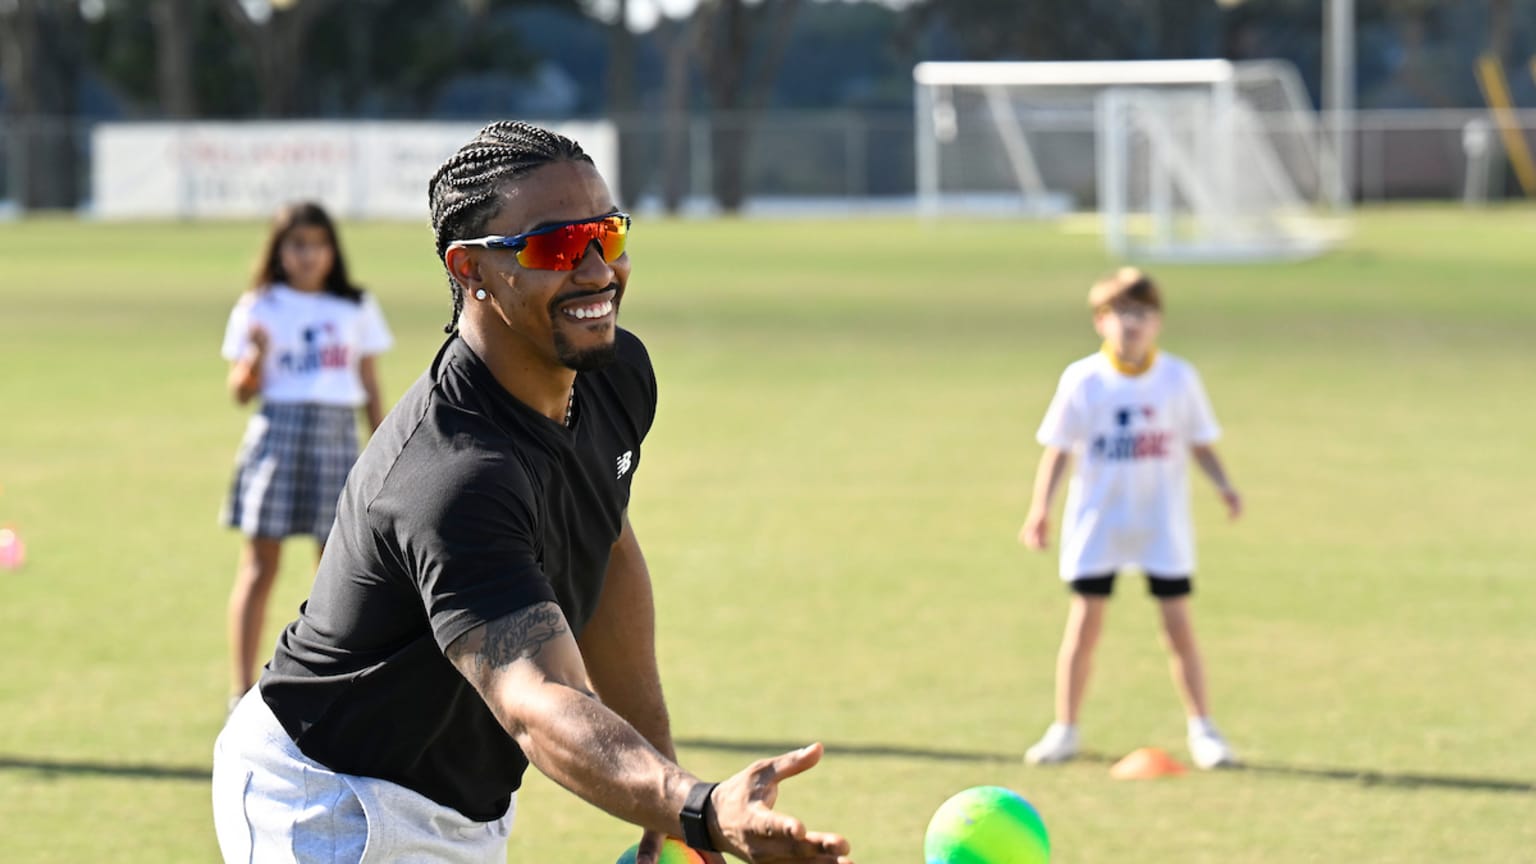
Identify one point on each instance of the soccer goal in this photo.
(1183, 159)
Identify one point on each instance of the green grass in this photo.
(828, 502)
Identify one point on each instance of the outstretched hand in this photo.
(747, 826)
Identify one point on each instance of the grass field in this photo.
(828, 501)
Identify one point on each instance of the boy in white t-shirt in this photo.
(1131, 416)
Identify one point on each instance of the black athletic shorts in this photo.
(1161, 587)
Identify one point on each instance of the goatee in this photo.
(584, 359)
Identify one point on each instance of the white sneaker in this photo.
(1209, 750)
(1058, 744)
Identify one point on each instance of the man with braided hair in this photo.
(483, 602)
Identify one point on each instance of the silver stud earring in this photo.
(479, 293)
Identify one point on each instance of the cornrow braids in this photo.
(464, 192)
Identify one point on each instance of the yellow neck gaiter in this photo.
(1129, 369)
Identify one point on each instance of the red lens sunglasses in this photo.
(561, 247)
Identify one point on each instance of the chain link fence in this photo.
(841, 162)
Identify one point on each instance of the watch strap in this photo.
(695, 817)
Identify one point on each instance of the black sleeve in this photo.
(469, 538)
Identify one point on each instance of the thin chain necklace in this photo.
(570, 405)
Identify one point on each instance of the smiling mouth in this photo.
(588, 305)
(589, 311)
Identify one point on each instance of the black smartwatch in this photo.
(695, 817)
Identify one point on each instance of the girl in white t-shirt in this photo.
(302, 340)
(1131, 416)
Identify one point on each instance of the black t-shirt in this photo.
(466, 506)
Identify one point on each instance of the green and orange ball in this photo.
(673, 851)
(986, 825)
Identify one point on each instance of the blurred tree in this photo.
(171, 58)
(41, 61)
(1074, 29)
(1409, 53)
(847, 55)
(1417, 79)
(1500, 29)
(678, 39)
(190, 58)
(276, 33)
(621, 62)
(175, 24)
(393, 57)
(739, 71)
(621, 95)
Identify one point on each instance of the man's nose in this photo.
(592, 268)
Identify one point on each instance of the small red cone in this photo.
(1146, 763)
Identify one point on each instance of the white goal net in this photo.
(1183, 159)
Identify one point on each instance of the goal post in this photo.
(1183, 159)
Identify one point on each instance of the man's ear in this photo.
(462, 267)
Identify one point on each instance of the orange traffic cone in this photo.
(1146, 763)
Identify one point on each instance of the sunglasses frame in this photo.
(519, 242)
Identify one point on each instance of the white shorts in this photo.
(271, 803)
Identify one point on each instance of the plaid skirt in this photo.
(290, 470)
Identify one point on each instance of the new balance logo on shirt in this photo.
(625, 460)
